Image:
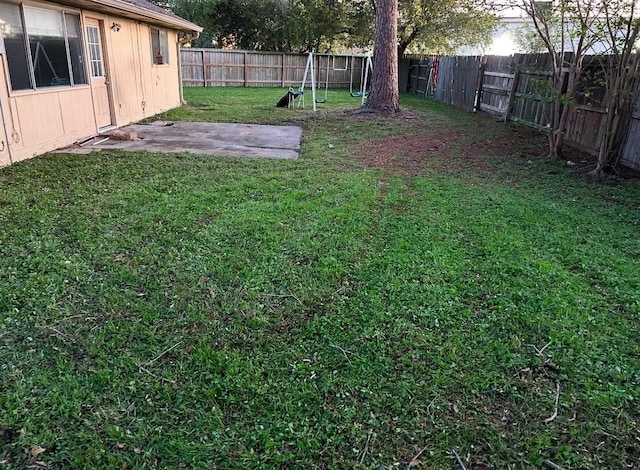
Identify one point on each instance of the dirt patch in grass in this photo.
(363, 114)
(446, 150)
(516, 140)
(452, 149)
(415, 154)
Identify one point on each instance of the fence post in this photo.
(423, 65)
(410, 69)
(512, 95)
(480, 84)
(244, 69)
(283, 70)
(204, 71)
(427, 80)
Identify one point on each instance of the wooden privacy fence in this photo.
(218, 67)
(631, 151)
(510, 88)
(451, 80)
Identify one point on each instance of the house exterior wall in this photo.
(139, 87)
(42, 120)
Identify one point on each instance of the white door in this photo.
(98, 75)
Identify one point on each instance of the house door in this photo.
(99, 79)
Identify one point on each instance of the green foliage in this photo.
(608, 28)
(528, 40)
(184, 311)
(433, 26)
(442, 26)
(543, 91)
(277, 25)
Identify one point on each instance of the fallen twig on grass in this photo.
(552, 465)
(343, 352)
(605, 433)
(141, 368)
(414, 461)
(555, 411)
(339, 291)
(73, 317)
(163, 353)
(366, 448)
(64, 336)
(459, 459)
(540, 351)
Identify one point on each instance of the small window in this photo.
(159, 46)
(47, 51)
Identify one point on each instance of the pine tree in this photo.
(383, 96)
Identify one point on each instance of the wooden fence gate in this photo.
(513, 96)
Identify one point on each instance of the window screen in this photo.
(45, 30)
(159, 46)
(48, 53)
(76, 50)
(15, 46)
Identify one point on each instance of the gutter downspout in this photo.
(192, 37)
(4, 124)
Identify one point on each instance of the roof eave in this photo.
(156, 17)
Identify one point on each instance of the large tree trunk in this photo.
(383, 96)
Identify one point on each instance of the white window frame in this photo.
(29, 56)
(96, 63)
(159, 46)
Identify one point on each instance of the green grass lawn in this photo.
(189, 311)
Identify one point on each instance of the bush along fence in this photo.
(512, 88)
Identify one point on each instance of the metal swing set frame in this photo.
(310, 71)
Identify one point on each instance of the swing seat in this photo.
(358, 94)
(321, 101)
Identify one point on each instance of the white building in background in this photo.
(512, 22)
(509, 37)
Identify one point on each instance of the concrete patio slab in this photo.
(223, 139)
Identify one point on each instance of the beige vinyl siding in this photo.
(140, 88)
(125, 68)
(41, 121)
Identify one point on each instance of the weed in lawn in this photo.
(170, 311)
